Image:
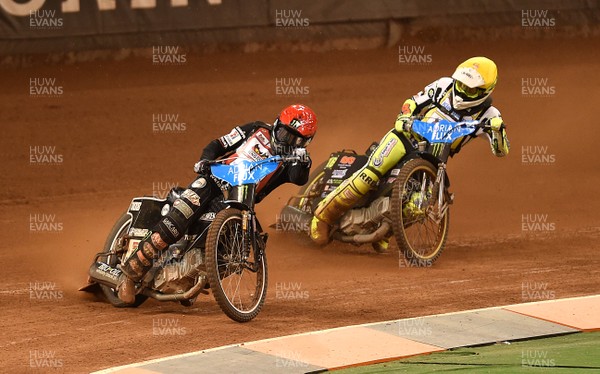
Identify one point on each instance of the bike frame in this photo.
(436, 148)
(242, 196)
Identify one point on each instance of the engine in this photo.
(365, 220)
(179, 274)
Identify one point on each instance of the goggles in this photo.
(288, 136)
(469, 92)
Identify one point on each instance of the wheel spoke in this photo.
(421, 234)
(238, 283)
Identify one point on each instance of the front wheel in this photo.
(419, 227)
(237, 276)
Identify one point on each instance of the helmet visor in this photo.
(471, 93)
(288, 136)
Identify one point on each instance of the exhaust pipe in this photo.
(109, 276)
(105, 274)
(189, 294)
(375, 236)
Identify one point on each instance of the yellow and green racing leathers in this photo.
(433, 103)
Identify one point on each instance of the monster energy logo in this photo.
(437, 149)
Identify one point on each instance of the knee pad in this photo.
(142, 258)
(389, 152)
(172, 226)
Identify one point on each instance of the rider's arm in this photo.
(298, 172)
(497, 132)
(418, 102)
(227, 143)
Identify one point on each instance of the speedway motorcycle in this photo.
(224, 250)
(411, 202)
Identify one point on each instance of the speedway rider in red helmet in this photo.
(292, 131)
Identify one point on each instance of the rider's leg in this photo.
(389, 152)
(168, 231)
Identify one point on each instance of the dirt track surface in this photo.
(102, 127)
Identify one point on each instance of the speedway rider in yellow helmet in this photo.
(465, 96)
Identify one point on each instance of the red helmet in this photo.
(295, 127)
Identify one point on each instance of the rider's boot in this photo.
(138, 264)
(166, 232)
(382, 245)
(338, 202)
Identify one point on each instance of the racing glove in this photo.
(403, 121)
(302, 153)
(202, 167)
(499, 141)
(496, 124)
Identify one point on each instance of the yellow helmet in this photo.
(474, 81)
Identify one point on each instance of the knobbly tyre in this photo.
(223, 251)
(411, 202)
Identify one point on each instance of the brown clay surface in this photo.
(102, 125)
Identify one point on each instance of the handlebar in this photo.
(290, 158)
(276, 158)
(447, 130)
(478, 124)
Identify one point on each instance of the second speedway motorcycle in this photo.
(224, 250)
(410, 203)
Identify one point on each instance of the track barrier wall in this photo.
(54, 26)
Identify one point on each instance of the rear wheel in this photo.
(237, 276)
(116, 257)
(419, 228)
